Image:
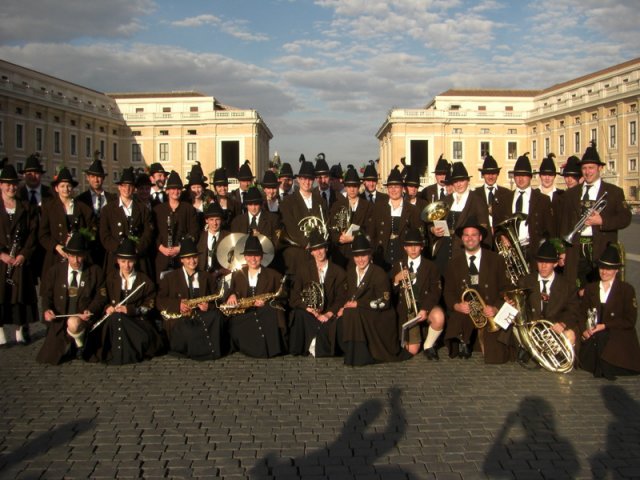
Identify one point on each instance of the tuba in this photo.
(510, 250)
(475, 301)
(550, 349)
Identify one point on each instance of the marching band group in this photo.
(339, 268)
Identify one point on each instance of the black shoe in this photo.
(464, 351)
(431, 353)
(26, 336)
(523, 356)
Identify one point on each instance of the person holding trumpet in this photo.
(72, 292)
(421, 275)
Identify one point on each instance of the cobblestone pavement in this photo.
(291, 417)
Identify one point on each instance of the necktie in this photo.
(371, 197)
(242, 195)
(544, 295)
(33, 200)
(411, 270)
(492, 197)
(473, 269)
(544, 286)
(519, 202)
(212, 252)
(74, 279)
(441, 193)
(254, 224)
(99, 204)
(585, 197)
(324, 196)
(190, 282)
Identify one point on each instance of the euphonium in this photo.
(476, 303)
(511, 251)
(550, 349)
(434, 211)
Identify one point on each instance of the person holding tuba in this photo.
(194, 330)
(304, 204)
(492, 193)
(18, 241)
(347, 213)
(72, 292)
(318, 293)
(367, 324)
(126, 333)
(608, 315)
(600, 209)
(421, 275)
(257, 327)
(472, 285)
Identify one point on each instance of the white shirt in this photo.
(37, 191)
(322, 271)
(523, 227)
(69, 276)
(459, 201)
(593, 195)
(94, 200)
(549, 281)
(415, 262)
(253, 279)
(605, 295)
(195, 283)
(308, 201)
(476, 261)
(360, 277)
(396, 212)
(128, 282)
(257, 218)
(128, 211)
(70, 208)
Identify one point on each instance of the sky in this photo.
(323, 74)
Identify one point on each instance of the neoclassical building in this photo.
(466, 124)
(68, 124)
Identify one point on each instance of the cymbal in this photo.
(226, 252)
(267, 248)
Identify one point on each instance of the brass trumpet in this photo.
(598, 206)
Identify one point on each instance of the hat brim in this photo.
(607, 265)
(490, 170)
(480, 228)
(57, 182)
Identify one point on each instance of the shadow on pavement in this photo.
(353, 453)
(528, 440)
(621, 457)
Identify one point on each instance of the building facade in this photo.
(465, 125)
(67, 124)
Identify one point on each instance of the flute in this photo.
(106, 315)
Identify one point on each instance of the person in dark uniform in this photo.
(313, 326)
(230, 208)
(305, 202)
(426, 290)
(255, 220)
(463, 204)
(437, 191)
(539, 221)
(285, 179)
(197, 193)
(127, 334)
(600, 228)
(483, 270)
(174, 220)
(492, 193)
(127, 217)
(370, 183)
(62, 216)
(259, 332)
(411, 188)
(329, 195)
(193, 331)
(390, 222)
(367, 324)
(336, 177)
(157, 177)
(571, 172)
(609, 342)
(210, 240)
(245, 180)
(547, 174)
(358, 212)
(143, 189)
(270, 186)
(18, 239)
(76, 291)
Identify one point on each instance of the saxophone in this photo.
(476, 303)
(192, 303)
(246, 303)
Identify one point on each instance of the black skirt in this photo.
(305, 328)
(256, 333)
(199, 336)
(590, 358)
(122, 339)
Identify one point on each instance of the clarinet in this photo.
(169, 232)
(12, 253)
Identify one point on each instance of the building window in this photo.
(192, 151)
(454, 107)
(192, 132)
(546, 146)
(101, 129)
(114, 155)
(72, 123)
(561, 144)
(561, 123)
(102, 149)
(594, 116)
(484, 149)
(576, 148)
(87, 126)
(485, 131)
(18, 110)
(512, 150)
(164, 132)
(193, 109)
(633, 164)
(547, 127)
(39, 139)
(73, 144)
(512, 131)
(457, 130)
(74, 172)
(632, 133)
(534, 149)
(166, 109)
(482, 108)
(136, 152)
(87, 147)
(612, 165)
(577, 120)
(164, 152)
(19, 136)
(633, 107)
(457, 150)
(612, 112)
(139, 110)
(612, 136)
(57, 147)
(136, 133)
(508, 108)
(594, 135)
(39, 115)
